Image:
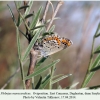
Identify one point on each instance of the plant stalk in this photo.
(19, 56)
(89, 66)
(52, 73)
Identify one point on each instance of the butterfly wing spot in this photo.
(66, 42)
(48, 47)
(55, 46)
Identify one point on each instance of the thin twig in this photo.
(45, 11)
(53, 16)
(51, 6)
(33, 59)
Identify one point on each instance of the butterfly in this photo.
(51, 44)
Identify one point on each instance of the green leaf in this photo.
(39, 83)
(59, 79)
(56, 76)
(29, 15)
(96, 62)
(44, 30)
(18, 22)
(96, 33)
(52, 73)
(89, 77)
(52, 28)
(41, 61)
(47, 21)
(59, 87)
(97, 50)
(33, 85)
(45, 82)
(22, 33)
(95, 69)
(36, 18)
(30, 3)
(94, 87)
(31, 44)
(18, 43)
(37, 27)
(23, 7)
(45, 78)
(12, 15)
(47, 33)
(74, 85)
(18, 3)
(41, 70)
